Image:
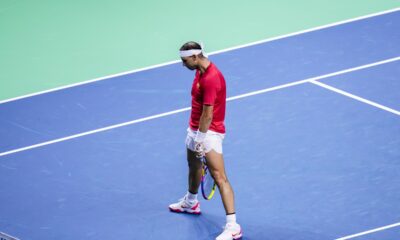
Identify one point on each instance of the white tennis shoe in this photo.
(186, 206)
(231, 231)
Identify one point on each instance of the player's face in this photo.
(189, 62)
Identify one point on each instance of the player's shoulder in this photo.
(214, 68)
(214, 72)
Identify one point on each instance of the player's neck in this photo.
(204, 64)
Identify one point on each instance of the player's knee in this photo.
(220, 178)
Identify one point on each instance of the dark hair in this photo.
(190, 45)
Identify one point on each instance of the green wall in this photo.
(47, 44)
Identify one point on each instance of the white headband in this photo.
(191, 52)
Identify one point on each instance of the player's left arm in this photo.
(209, 97)
(204, 124)
(206, 118)
(210, 89)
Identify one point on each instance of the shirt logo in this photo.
(198, 85)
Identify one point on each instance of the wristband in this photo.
(200, 136)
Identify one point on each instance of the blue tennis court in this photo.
(312, 147)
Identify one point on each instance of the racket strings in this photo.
(208, 184)
(209, 181)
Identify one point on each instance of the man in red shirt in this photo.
(205, 135)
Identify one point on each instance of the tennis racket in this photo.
(208, 185)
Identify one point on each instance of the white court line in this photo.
(7, 237)
(316, 78)
(95, 131)
(212, 53)
(356, 97)
(188, 108)
(369, 231)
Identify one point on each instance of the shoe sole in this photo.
(238, 237)
(182, 211)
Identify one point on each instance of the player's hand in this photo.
(199, 149)
(199, 144)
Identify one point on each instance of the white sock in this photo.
(231, 218)
(191, 197)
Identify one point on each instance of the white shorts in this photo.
(213, 141)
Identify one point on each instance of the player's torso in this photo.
(211, 78)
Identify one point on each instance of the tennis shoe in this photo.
(231, 231)
(186, 206)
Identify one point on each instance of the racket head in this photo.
(208, 185)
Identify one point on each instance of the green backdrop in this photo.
(47, 44)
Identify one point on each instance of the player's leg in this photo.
(194, 176)
(215, 163)
(189, 203)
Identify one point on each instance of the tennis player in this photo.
(205, 135)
